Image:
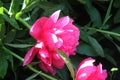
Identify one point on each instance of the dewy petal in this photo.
(55, 16)
(30, 55)
(62, 22)
(36, 28)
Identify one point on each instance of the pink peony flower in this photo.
(52, 33)
(87, 71)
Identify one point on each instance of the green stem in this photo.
(18, 17)
(106, 32)
(23, 22)
(41, 73)
(107, 16)
(12, 53)
(29, 66)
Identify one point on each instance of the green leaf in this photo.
(1, 7)
(82, 1)
(14, 7)
(76, 59)
(93, 13)
(25, 3)
(21, 33)
(116, 30)
(34, 15)
(3, 62)
(32, 76)
(110, 59)
(68, 62)
(19, 45)
(117, 3)
(4, 58)
(117, 17)
(12, 21)
(63, 73)
(84, 36)
(50, 8)
(3, 67)
(96, 46)
(2, 27)
(27, 41)
(86, 49)
(10, 36)
(2, 30)
(5, 55)
(30, 6)
(118, 47)
(107, 16)
(111, 39)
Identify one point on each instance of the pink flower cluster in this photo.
(87, 71)
(52, 33)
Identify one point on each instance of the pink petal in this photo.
(69, 43)
(87, 71)
(84, 73)
(50, 40)
(59, 43)
(62, 22)
(30, 55)
(57, 59)
(58, 31)
(48, 25)
(73, 30)
(47, 68)
(86, 62)
(44, 56)
(54, 38)
(55, 16)
(70, 36)
(99, 74)
(36, 28)
(39, 45)
(102, 73)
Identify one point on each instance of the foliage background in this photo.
(98, 21)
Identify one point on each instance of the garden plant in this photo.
(59, 39)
